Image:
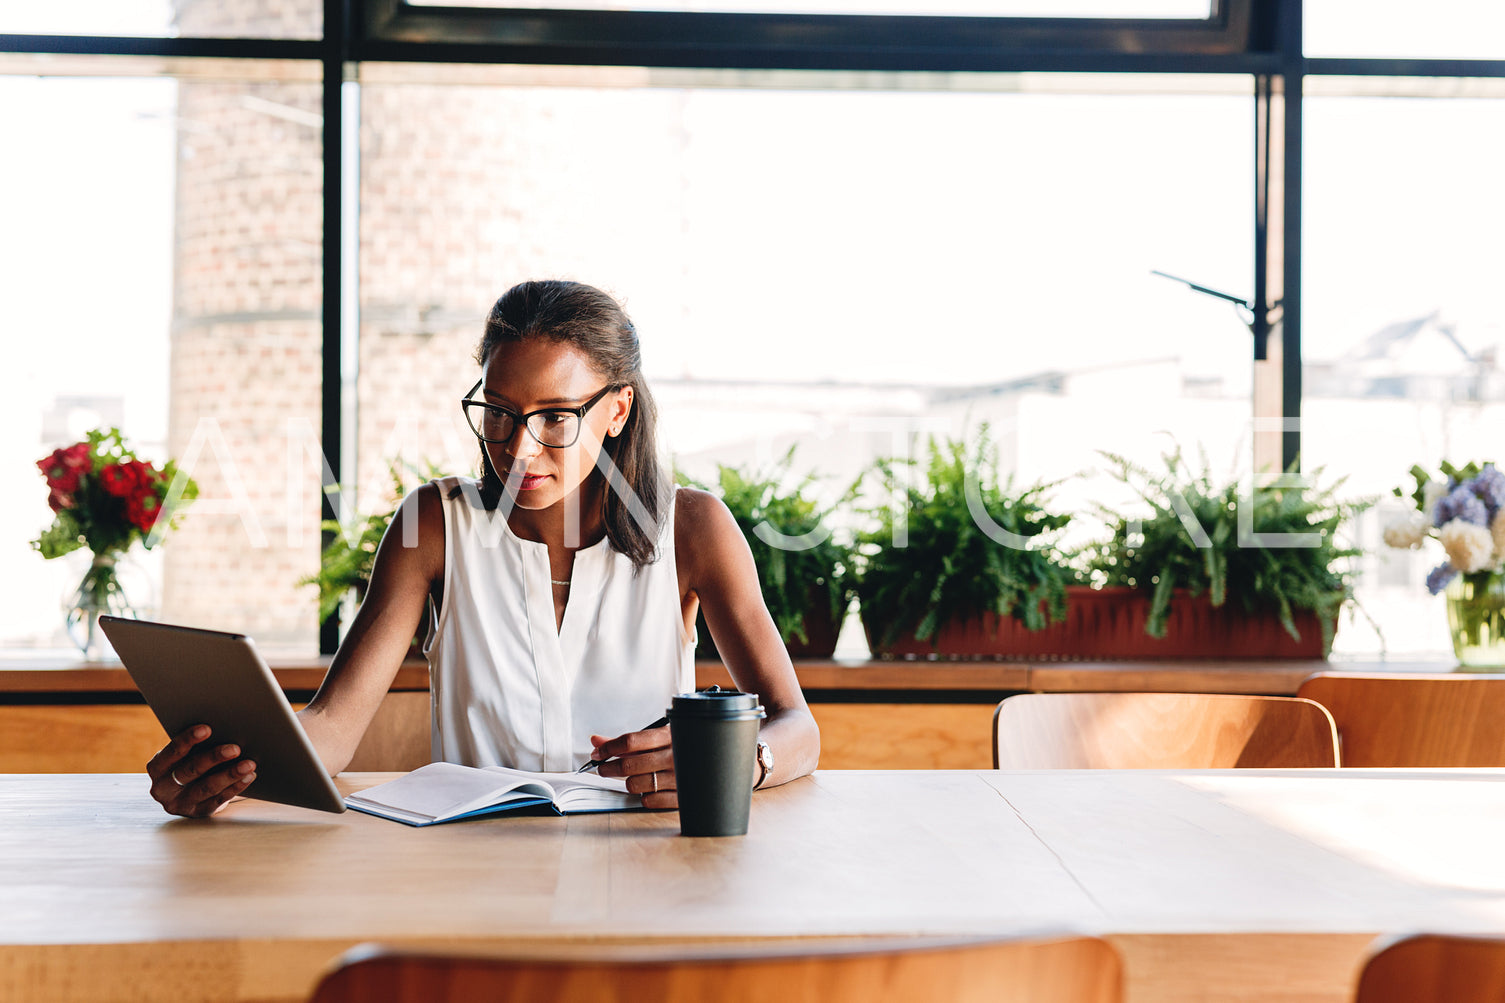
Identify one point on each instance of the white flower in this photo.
(1432, 492)
(1407, 532)
(1497, 530)
(1469, 548)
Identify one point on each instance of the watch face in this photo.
(765, 755)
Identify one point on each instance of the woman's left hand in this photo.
(645, 759)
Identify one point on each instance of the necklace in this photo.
(555, 581)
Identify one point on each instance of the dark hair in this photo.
(593, 323)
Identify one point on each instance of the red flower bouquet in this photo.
(105, 498)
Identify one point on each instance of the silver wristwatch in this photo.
(765, 763)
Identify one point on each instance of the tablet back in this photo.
(191, 676)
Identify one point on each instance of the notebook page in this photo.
(442, 789)
(579, 791)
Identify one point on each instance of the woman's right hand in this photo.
(194, 779)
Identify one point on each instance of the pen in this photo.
(647, 727)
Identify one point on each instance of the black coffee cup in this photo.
(715, 738)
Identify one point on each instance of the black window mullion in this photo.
(1292, 70)
(1389, 67)
(133, 45)
(334, 52)
(1226, 31)
(734, 57)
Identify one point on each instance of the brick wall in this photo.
(246, 337)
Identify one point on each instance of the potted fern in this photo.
(961, 584)
(345, 562)
(802, 565)
(1204, 569)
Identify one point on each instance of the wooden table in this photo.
(1219, 885)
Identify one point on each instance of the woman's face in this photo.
(534, 373)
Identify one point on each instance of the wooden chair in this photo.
(1051, 970)
(1409, 720)
(1160, 731)
(1429, 968)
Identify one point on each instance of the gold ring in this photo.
(173, 775)
(654, 778)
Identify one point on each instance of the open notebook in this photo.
(447, 792)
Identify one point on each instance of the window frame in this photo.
(795, 41)
(1260, 38)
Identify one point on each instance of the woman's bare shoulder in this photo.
(697, 511)
(703, 527)
(418, 524)
(426, 504)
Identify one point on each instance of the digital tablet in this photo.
(191, 676)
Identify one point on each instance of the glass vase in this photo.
(1476, 617)
(97, 594)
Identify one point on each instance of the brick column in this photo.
(245, 345)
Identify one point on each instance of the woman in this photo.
(566, 582)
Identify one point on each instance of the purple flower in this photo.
(1489, 488)
(1462, 503)
(1438, 577)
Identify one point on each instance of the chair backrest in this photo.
(1052, 970)
(1160, 731)
(1443, 719)
(1428, 968)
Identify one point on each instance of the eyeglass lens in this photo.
(552, 428)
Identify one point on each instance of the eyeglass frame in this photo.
(578, 412)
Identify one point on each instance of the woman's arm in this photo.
(402, 576)
(722, 574)
(192, 776)
(715, 565)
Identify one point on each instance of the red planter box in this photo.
(820, 633)
(1106, 624)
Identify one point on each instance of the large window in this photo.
(279, 19)
(831, 232)
(835, 267)
(1403, 335)
(87, 260)
(162, 257)
(1439, 29)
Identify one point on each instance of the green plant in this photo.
(345, 563)
(951, 569)
(1190, 539)
(809, 575)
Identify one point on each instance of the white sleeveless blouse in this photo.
(507, 688)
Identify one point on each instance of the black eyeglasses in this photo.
(555, 427)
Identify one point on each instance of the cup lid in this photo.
(717, 703)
